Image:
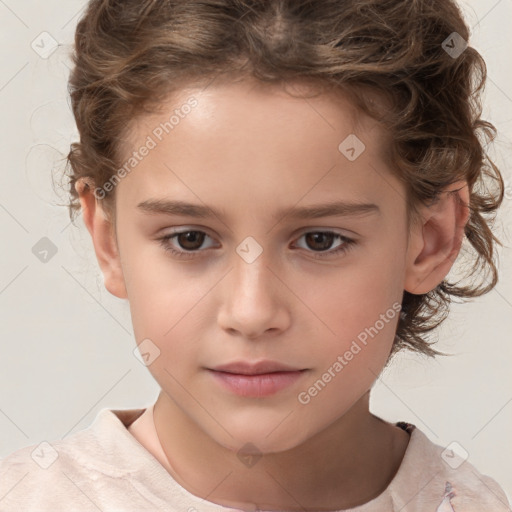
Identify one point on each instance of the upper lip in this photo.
(255, 368)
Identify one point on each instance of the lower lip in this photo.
(257, 385)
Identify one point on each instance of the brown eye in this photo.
(184, 244)
(320, 243)
(319, 240)
(190, 240)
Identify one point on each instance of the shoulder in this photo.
(436, 478)
(49, 476)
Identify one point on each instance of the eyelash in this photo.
(348, 244)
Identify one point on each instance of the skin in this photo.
(250, 150)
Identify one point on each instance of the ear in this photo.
(435, 242)
(103, 238)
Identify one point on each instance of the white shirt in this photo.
(105, 468)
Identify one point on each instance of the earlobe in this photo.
(436, 240)
(103, 238)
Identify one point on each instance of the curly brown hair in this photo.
(130, 55)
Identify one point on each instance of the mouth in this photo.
(256, 384)
(263, 367)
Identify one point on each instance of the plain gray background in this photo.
(67, 344)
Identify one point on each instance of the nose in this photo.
(254, 302)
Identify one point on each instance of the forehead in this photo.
(302, 107)
(250, 144)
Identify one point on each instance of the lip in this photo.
(255, 368)
(259, 385)
(256, 379)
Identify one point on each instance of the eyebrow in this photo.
(331, 209)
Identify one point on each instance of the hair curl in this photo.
(130, 55)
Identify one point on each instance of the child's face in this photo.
(250, 153)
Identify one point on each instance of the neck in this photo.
(347, 464)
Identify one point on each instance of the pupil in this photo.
(190, 237)
(318, 236)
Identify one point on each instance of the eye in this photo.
(188, 240)
(191, 240)
(323, 240)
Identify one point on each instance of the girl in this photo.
(279, 189)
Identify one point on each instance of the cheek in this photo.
(158, 290)
(362, 308)
(163, 307)
(359, 307)
(354, 297)
(165, 312)
(168, 306)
